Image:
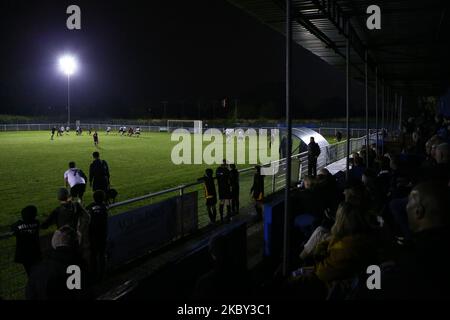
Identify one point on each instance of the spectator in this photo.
(224, 188)
(26, 231)
(71, 214)
(313, 154)
(98, 232)
(421, 271)
(308, 200)
(442, 156)
(76, 180)
(384, 177)
(210, 195)
(320, 234)
(257, 191)
(350, 248)
(346, 252)
(234, 181)
(99, 177)
(356, 194)
(357, 169)
(375, 195)
(441, 170)
(328, 187)
(48, 280)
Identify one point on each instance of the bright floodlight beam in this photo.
(68, 66)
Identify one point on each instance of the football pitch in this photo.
(32, 167)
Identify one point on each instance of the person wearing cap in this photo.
(48, 280)
(67, 213)
(71, 214)
(26, 231)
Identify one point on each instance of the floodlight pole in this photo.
(68, 100)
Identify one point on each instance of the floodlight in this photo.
(68, 65)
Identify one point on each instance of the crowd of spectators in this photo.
(392, 212)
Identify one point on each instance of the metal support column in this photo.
(366, 96)
(382, 116)
(376, 106)
(287, 222)
(347, 101)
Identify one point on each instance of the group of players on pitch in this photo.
(228, 191)
(130, 132)
(60, 131)
(122, 131)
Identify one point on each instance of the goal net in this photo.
(194, 126)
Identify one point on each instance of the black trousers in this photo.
(78, 190)
(312, 167)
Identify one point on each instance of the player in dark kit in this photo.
(99, 173)
(224, 186)
(95, 138)
(234, 181)
(210, 194)
(26, 230)
(53, 132)
(257, 191)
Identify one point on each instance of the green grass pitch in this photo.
(32, 167)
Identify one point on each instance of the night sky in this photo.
(133, 56)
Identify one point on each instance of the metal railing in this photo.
(354, 132)
(13, 278)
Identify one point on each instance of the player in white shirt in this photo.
(108, 130)
(76, 180)
(240, 134)
(229, 134)
(67, 129)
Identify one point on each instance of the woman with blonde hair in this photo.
(350, 248)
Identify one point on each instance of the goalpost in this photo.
(194, 126)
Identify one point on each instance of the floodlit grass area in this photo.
(32, 167)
